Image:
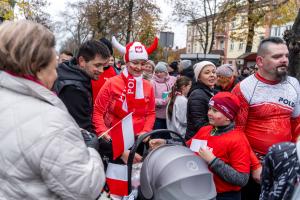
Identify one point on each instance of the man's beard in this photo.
(281, 72)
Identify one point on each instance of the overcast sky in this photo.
(56, 6)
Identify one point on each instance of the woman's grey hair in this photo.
(25, 47)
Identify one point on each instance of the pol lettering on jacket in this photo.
(130, 86)
(122, 97)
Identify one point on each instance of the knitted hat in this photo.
(185, 64)
(108, 44)
(135, 50)
(226, 103)
(199, 66)
(161, 67)
(225, 70)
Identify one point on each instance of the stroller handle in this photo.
(137, 144)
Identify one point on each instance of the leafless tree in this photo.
(75, 24)
(204, 16)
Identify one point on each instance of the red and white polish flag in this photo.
(122, 136)
(117, 179)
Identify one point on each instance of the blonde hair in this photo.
(25, 47)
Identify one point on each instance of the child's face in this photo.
(217, 118)
(161, 74)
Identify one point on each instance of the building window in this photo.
(222, 44)
(231, 46)
(241, 45)
(277, 31)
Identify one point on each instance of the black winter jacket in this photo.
(197, 108)
(73, 87)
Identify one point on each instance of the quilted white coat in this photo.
(42, 153)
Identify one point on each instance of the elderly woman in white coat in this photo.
(42, 151)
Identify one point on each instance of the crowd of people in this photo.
(56, 115)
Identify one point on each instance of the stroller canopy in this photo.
(175, 172)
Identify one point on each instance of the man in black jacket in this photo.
(73, 85)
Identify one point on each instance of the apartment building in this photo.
(229, 39)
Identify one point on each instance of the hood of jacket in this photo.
(71, 71)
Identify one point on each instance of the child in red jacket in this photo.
(227, 152)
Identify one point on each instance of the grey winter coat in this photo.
(42, 152)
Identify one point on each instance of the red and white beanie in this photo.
(135, 50)
(226, 103)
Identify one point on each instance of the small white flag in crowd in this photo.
(117, 179)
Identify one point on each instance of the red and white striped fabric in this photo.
(122, 135)
(117, 179)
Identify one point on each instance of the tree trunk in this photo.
(206, 29)
(293, 42)
(129, 24)
(251, 25)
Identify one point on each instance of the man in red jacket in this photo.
(109, 71)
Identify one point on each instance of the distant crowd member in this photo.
(162, 83)
(73, 85)
(121, 65)
(125, 93)
(245, 72)
(173, 69)
(109, 70)
(42, 151)
(253, 69)
(226, 78)
(177, 106)
(185, 68)
(270, 110)
(148, 70)
(65, 56)
(200, 94)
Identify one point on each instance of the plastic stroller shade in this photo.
(175, 172)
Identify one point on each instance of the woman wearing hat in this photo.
(127, 92)
(162, 83)
(201, 92)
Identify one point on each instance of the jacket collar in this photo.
(200, 85)
(29, 88)
(222, 129)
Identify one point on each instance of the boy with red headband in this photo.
(227, 152)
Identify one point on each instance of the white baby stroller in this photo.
(172, 172)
